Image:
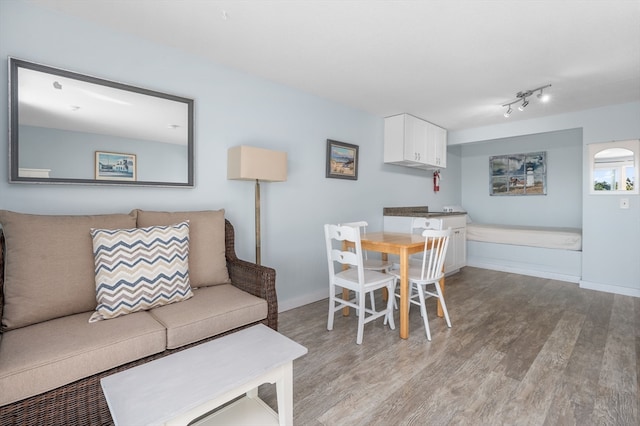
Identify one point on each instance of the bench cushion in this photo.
(49, 269)
(211, 311)
(207, 258)
(51, 354)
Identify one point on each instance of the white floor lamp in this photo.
(250, 163)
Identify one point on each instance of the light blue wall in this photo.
(231, 108)
(151, 157)
(611, 236)
(562, 206)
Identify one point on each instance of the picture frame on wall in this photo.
(342, 160)
(115, 166)
(518, 174)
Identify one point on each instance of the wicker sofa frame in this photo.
(82, 402)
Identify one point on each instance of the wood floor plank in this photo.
(522, 351)
(579, 383)
(536, 391)
(486, 403)
(617, 392)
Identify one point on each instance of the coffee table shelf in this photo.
(245, 411)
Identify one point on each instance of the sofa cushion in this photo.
(211, 311)
(49, 269)
(140, 268)
(207, 259)
(50, 354)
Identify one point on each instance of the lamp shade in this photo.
(250, 163)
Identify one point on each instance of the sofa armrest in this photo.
(253, 278)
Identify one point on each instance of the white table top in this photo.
(160, 390)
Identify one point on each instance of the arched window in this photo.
(614, 167)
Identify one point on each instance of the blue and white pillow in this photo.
(139, 269)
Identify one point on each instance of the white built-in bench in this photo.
(545, 252)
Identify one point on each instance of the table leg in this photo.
(345, 292)
(385, 292)
(404, 294)
(284, 389)
(440, 312)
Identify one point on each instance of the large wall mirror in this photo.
(67, 127)
(614, 167)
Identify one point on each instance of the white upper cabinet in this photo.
(413, 142)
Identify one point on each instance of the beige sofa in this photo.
(52, 357)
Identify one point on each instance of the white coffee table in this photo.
(183, 386)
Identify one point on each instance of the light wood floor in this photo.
(522, 351)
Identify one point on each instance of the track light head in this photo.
(543, 97)
(524, 104)
(508, 113)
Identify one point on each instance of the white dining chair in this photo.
(429, 273)
(370, 264)
(354, 278)
(418, 225)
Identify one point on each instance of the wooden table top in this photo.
(392, 242)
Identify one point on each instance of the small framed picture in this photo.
(115, 166)
(342, 160)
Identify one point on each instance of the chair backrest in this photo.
(422, 223)
(361, 225)
(435, 249)
(335, 236)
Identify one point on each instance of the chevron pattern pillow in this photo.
(139, 269)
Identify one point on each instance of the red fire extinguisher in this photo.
(436, 181)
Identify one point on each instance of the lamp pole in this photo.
(258, 243)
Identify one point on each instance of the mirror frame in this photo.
(14, 137)
(631, 145)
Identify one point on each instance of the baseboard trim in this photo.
(608, 288)
(296, 302)
(523, 271)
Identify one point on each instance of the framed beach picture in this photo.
(342, 160)
(518, 174)
(115, 166)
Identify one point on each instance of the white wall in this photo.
(231, 108)
(611, 236)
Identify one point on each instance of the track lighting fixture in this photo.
(522, 96)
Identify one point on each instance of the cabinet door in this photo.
(460, 236)
(436, 148)
(440, 146)
(416, 140)
(450, 260)
(456, 252)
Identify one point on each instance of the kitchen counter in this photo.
(417, 211)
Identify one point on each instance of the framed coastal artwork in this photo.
(342, 160)
(518, 174)
(115, 166)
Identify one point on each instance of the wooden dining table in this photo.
(403, 245)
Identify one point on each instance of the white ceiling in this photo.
(452, 62)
